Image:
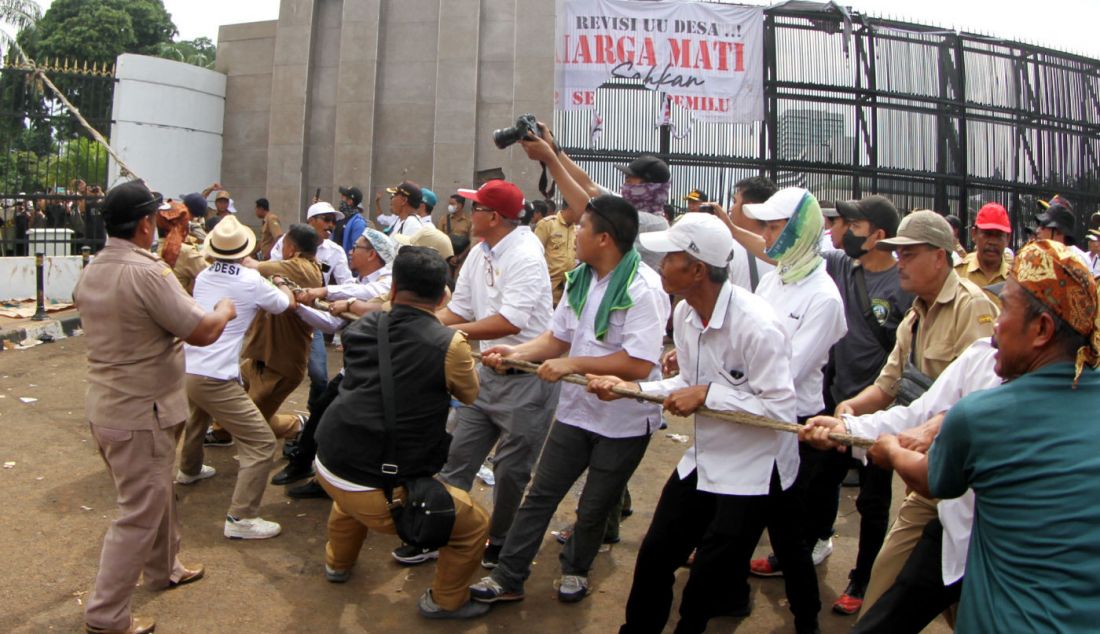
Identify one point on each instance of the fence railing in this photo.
(930, 117)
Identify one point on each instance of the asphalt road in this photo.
(58, 500)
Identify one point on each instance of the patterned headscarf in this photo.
(797, 250)
(1055, 277)
(173, 221)
(650, 197)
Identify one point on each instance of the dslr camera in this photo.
(509, 136)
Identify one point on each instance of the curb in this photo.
(47, 330)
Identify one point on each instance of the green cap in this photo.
(921, 227)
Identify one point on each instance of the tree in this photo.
(199, 51)
(99, 30)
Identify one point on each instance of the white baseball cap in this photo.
(782, 205)
(321, 208)
(702, 236)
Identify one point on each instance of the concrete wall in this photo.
(168, 123)
(372, 92)
(17, 277)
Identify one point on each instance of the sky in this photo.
(1068, 25)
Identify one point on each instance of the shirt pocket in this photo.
(107, 435)
(936, 357)
(616, 328)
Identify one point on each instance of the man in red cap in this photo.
(501, 298)
(988, 263)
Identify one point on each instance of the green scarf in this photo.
(797, 250)
(579, 279)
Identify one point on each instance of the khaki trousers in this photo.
(269, 390)
(915, 513)
(228, 402)
(145, 538)
(353, 513)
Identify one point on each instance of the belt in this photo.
(513, 372)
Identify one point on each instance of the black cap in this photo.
(354, 193)
(648, 168)
(411, 192)
(1058, 217)
(696, 195)
(129, 202)
(878, 210)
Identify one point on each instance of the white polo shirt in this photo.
(971, 372)
(812, 314)
(744, 356)
(331, 258)
(407, 226)
(510, 280)
(250, 293)
(376, 284)
(638, 330)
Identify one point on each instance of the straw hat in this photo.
(230, 240)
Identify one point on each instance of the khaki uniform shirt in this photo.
(134, 313)
(282, 342)
(970, 269)
(269, 233)
(558, 240)
(961, 314)
(460, 224)
(188, 265)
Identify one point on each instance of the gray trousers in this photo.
(568, 452)
(512, 412)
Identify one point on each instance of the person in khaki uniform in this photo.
(177, 247)
(213, 374)
(134, 314)
(948, 314)
(558, 236)
(270, 231)
(276, 348)
(988, 263)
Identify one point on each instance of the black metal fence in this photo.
(930, 117)
(52, 173)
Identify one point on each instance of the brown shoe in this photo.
(138, 625)
(189, 576)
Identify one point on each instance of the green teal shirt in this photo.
(1030, 449)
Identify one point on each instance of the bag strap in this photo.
(389, 414)
(864, 299)
(754, 273)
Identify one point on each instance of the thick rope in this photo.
(740, 418)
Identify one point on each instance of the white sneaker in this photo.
(822, 549)
(485, 474)
(254, 528)
(206, 472)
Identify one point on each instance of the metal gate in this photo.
(930, 117)
(52, 173)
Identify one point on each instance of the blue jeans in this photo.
(318, 361)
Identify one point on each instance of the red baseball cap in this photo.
(993, 216)
(499, 195)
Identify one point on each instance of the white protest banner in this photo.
(708, 57)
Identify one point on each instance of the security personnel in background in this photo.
(134, 314)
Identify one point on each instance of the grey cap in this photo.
(921, 227)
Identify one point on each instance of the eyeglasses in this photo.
(359, 246)
(481, 208)
(490, 274)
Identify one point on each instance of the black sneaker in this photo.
(290, 445)
(306, 491)
(219, 438)
(492, 556)
(409, 555)
(292, 472)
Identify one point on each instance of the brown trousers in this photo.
(915, 513)
(145, 538)
(269, 390)
(228, 402)
(353, 513)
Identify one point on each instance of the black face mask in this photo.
(853, 244)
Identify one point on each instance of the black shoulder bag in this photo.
(913, 382)
(885, 338)
(426, 516)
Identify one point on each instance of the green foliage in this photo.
(199, 51)
(99, 30)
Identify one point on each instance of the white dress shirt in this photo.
(971, 372)
(376, 284)
(1094, 264)
(812, 314)
(744, 356)
(638, 330)
(739, 265)
(407, 226)
(510, 280)
(250, 293)
(330, 257)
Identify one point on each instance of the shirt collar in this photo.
(973, 265)
(718, 315)
(505, 243)
(385, 270)
(947, 294)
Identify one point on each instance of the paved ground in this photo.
(58, 501)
